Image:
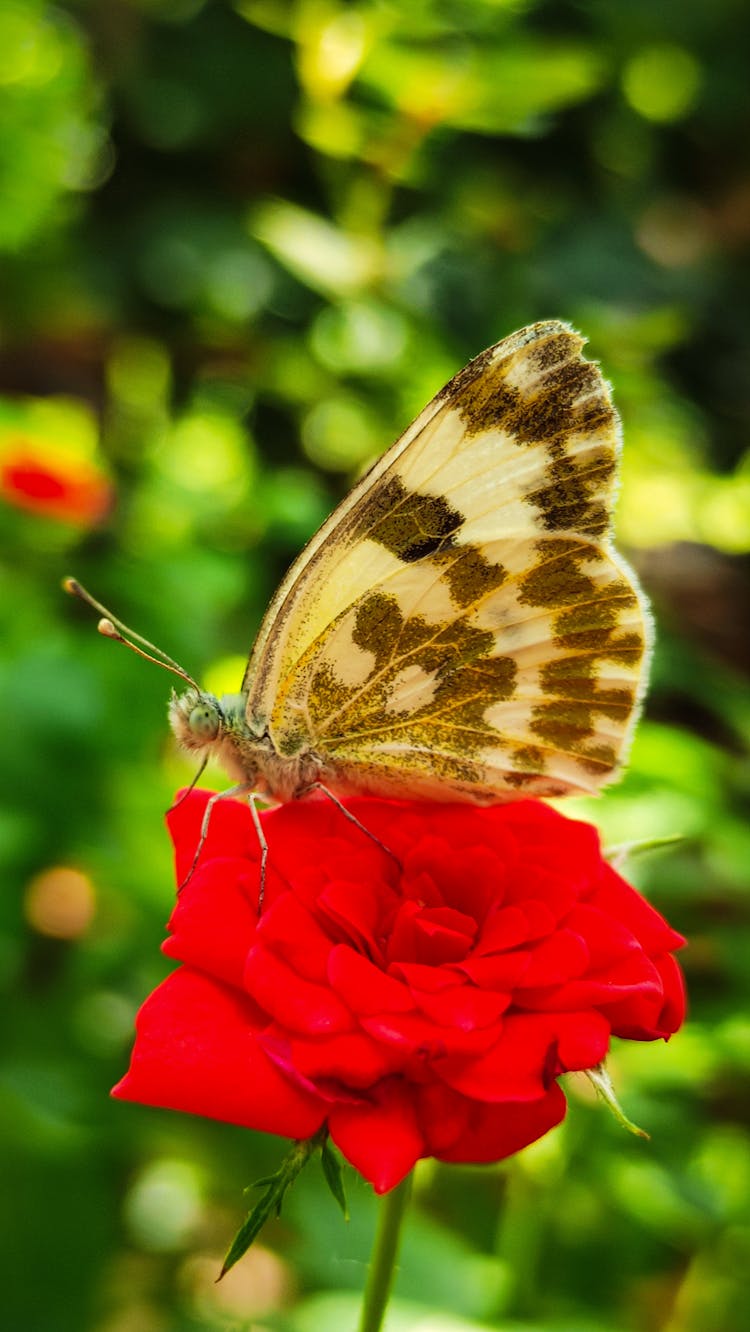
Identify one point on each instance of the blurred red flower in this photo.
(421, 1008)
(66, 489)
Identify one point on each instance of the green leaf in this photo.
(334, 1176)
(253, 1224)
(270, 1204)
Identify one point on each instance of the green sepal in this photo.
(270, 1204)
(601, 1081)
(617, 855)
(334, 1176)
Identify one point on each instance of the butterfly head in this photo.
(202, 721)
(196, 719)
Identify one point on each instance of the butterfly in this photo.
(461, 628)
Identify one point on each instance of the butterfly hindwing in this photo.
(461, 627)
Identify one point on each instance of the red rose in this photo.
(422, 1006)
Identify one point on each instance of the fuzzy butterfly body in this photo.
(461, 627)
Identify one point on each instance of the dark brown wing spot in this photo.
(528, 757)
(520, 779)
(563, 724)
(557, 580)
(570, 497)
(492, 680)
(562, 395)
(550, 351)
(485, 399)
(568, 718)
(381, 628)
(378, 625)
(456, 386)
(593, 627)
(471, 576)
(571, 399)
(598, 757)
(575, 678)
(408, 524)
(327, 694)
(466, 682)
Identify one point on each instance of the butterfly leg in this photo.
(233, 791)
(263, 848)
(318, 786)
(194, 782)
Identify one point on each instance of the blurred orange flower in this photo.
(60, 487)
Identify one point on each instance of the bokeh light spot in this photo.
(164, 1205)
(674, 232)
(360, 337)
(661, 82)
(339, 434)
(138, 372)
(260, 1284)
(60, 902)
(29, 52)
(104, 1022)
(239, 283)
(206, 453)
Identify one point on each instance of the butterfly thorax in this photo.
(218, 728)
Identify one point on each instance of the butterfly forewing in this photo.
(461, 627)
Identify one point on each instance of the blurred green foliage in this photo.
(240, 246)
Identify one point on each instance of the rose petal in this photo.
(463, 1007)
(492, 1132)
(515, 1068)
(557, 891)
(608, 938)
(296, 1004)
(380, 1137)
(352, 1059)
(502, 972)
(230, 831)
(635, 979)
(364, 988)
(582, 1040)
(648, 1017)
(196, 1051)
(555, 959)
(356, 909)
(440, 937)
(305, 944)
(620, 901)
(423, 978)
(507, 927)
(416, 1035)
(213, 923)
(468, 891)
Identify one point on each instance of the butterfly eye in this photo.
(204, 721)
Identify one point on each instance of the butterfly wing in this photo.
(461, 626)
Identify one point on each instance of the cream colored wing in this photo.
(461, 627)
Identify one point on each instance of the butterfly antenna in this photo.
(111, 627)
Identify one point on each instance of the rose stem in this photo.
(383, 1258)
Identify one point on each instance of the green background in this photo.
(240, 246)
